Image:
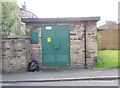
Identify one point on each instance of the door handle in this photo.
(56, 46)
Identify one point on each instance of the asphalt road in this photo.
(68, 83)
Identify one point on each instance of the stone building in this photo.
(82, 43)
(77, 25)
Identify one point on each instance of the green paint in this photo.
(34, 37)
(108, 59)
(56, 52)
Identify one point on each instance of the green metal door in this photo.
(55, 45)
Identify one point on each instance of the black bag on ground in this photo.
(33, 66)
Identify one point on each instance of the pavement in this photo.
(60, 75)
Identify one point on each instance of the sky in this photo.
(106, 9)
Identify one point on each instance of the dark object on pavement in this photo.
(33, 66)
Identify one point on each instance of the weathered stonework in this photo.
(91, 43)
(77, 44)
(15, 54)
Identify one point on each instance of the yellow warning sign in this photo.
(48, 39)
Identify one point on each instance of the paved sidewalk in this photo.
(63, 75)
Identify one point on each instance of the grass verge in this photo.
(107, 59)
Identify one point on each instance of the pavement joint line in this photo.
(62, 79)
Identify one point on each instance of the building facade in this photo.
(81, 41)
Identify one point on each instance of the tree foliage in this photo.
(11, 20)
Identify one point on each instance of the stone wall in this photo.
(77, 44)
(77, 49)
(91, 43)
(36, 49)
(15, 54)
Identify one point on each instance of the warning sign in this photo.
(48, 39)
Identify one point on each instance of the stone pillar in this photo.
(77, 44)
(91, 43)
